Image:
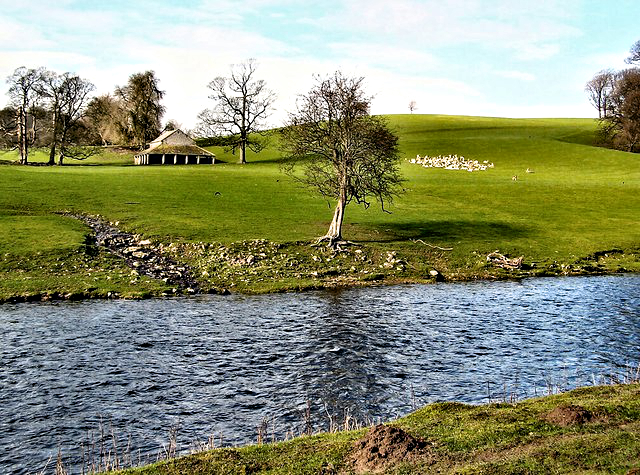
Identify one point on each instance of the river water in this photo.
(221, 364)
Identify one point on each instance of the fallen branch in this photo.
(500, 260)
(431, 245)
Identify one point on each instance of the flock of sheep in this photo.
(451, 162)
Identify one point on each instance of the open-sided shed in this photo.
(174, 147)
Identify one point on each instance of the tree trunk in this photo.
(334, 233)
(54, 138)
(23, 141)
(243, 152)
(63, 141)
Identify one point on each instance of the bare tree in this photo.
(141, 102)
(7, 127)
(242, 105)
(52, 89)
(412, 106)
(68, 96)
(346, 154)
(25, 92)
(75, 98)
(173, 124)
(622, 124)
(599, 89)
(105, 116)
(634, 56)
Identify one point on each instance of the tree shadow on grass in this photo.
(446, 231)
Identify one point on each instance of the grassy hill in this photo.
(580, 202)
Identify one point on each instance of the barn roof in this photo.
(157, 147)
(165, 134)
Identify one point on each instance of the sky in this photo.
(498, 58)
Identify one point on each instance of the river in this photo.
(223, 364)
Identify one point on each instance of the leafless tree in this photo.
(412, 106)
(52, 85)
(622, 124)
(25, 92)
(599, 89)
(242, 104)
(173, 124)
(68, 96)
(7, 128)
(634, 56)
(345, 153)
(105, 115)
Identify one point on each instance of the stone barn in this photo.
(174, 147)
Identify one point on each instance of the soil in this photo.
(385, 445)
(568, 415)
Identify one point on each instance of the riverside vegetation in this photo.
(587, 430)
(249, 228)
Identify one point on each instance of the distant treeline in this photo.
(616, 96)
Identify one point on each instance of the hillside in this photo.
(575, 211)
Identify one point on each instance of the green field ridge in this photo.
(573, 210)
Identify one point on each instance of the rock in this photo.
(139, 254)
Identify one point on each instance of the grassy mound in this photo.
(455, 438)
(574, 211)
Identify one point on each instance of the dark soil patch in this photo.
(568, 415)
(383, 446)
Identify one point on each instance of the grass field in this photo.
(580, 201)
(499, 438)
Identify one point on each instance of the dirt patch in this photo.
(383, 446)
(568, 415)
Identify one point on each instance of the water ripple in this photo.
(220, 364)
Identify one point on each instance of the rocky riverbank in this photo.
(141, 255)
(114, 263)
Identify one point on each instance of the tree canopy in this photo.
(623, 121)
(616, 95)
(634, 54)
(26, 93)
(141, 98)
(345, 153)
(599, 89)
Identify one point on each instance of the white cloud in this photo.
(409, 61)
(530, 30)
(406, 49)
(613, 60)
(522, 76)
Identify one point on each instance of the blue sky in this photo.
(474, 57)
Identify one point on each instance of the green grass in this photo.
(580, 200)
(495, 438)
